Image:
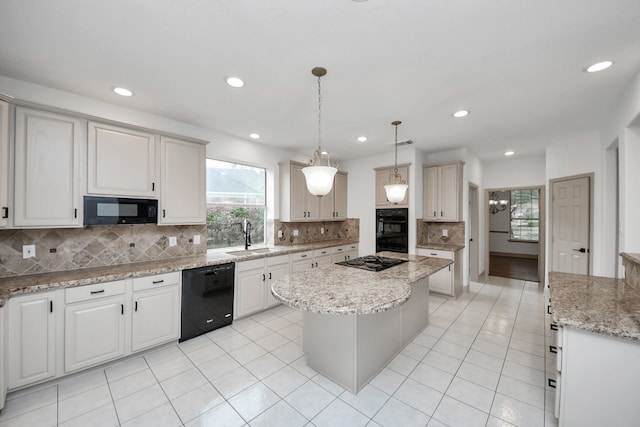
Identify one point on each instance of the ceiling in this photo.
(516, 65)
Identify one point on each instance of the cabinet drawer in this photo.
(155, 281)
(437, 253)
(277, 260)
(250, 265)
(339, 249)
(308, 255)
(322, 252)
(91, 292)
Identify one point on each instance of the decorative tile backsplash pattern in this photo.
(431, 232)
(309, 232)
(95, 246)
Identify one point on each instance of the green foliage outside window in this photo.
(525, 215)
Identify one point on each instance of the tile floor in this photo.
(480, 362)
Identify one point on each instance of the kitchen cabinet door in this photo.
(275, 271)
(442, 281)
(31, 343)
(4, 164)
(156, 317)
(121, 162)
(249, 289)
(47, 170)
(340, 196)
(94, 332)
(442, 193)
(182, 182)
(449, 193)
(296, 203)
(383, 177)
(431, 194)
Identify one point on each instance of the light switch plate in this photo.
(280, 234)
(196, 239)
(445, 232)
(321, 230)
(28, 251)
(295, 233)
(173, 241)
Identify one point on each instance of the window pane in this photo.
(224, 225)
(231, 183)
(525, 212)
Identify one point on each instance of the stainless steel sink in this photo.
(251, 251)
(240, 252)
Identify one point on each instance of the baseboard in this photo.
(512, 255)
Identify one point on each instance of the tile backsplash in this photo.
(308, 232)
(95, 246)
(431, 232)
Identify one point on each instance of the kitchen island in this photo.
(356, 321)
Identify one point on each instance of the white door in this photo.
(340, 196)
(431, 194)
(249, 290)
(4, 163)
(93, 333)
(326, 202)
(449, 193)
(32, 341)
(570, 224)
(474, 240)
(156, 317)
(382, 178)
(276, 272)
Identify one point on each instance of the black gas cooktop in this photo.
(372, 262)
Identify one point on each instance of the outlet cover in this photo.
(321, 230)
(173, 241)
(445, 232)
(295, 233)
(196, 239)
(28, 251)
(280, 234)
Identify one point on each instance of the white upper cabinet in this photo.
(4, 164)
(121, 161)
(383, 177)
(182, 182)
(442, 199)
(47, 169)
(298, 204)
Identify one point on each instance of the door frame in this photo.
(542, 261)
(553, 181)
(474, 224)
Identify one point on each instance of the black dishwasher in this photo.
(207, 299)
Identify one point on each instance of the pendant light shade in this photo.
(319, 178)
(397, 188)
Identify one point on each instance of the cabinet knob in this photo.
(5, 212)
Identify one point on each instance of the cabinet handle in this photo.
(122, 309)
(551, 382)
(155, 282)
(304, 214)
(311, 265)
(553, 349)
(136, 307)
(337, 214)
(434, 213)
(303, 256)
(153, 186)
(50, 306)
(433, 254)
(264, 277)
(553, 327)
(316, 263)
(548, 309)
(441, 214)
(164, 213)
(5, 212)
(269, 275)
(97, 292)
(75, 213)
(449, 267)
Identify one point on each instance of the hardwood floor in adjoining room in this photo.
(514, 267)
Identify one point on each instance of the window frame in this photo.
(512, 218)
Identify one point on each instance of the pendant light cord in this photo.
(319, 119)
(395, 168)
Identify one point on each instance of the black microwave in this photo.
(119, 210)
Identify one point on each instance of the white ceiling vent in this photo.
(401, 143)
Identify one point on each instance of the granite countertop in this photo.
(338, 289)
(631, 257)
(65, 279)
(441, 246)
(597, 304)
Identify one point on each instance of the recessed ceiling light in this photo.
(361, 138)
(254, 136)
(235, 82)
(509, 153)
(123, 91)
(599, 66)
(461, 113)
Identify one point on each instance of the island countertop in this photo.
(596, 304)
(337, 289)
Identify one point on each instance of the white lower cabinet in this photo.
(156, 310)
(31, 341)
(447, 281)
(302, 261)
(344, 252)
(253, 283)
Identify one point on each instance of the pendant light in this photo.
(397, 187)
(319, 178)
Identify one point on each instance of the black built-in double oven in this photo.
(392, 230)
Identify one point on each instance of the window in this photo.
(525, 215)
(235, 192)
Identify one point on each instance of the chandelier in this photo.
(397, 187)
(496, 204)
(319, 178)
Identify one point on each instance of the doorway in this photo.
(571, 225)
(515, 229)
(474, 233)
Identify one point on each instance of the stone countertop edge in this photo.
(342, 290)
(631, 257)
(441, 247)
(16, 285)
(597, 304)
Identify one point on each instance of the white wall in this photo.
(514, 172)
